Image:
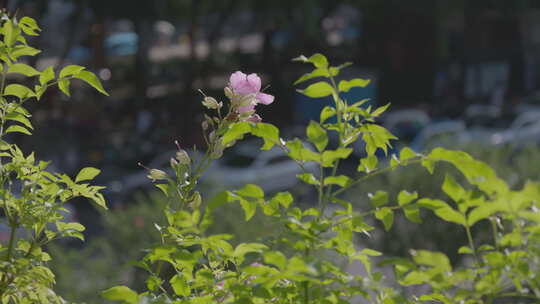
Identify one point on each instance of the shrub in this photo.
(32, 198)
(304, 264)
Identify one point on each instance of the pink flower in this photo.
(243, 84)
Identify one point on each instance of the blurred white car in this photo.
(243, 164)
(272, 169)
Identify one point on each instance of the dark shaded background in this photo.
(437, 55)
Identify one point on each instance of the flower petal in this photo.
(246, 109)
(237, 80)
(255, 82)
(265, 98)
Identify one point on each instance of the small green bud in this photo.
(195, 201)
(229, 93)
(204, 125)
(156, 174)
(211, 103)
(174, 162)
(183, 157)
(217, 151)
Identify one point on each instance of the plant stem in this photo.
(306, 283)
(471, 244)
(11, 242)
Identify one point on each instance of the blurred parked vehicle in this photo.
(243, 164)
(444, 133)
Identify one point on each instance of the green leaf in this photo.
(10, 33)
(18, 90)
(412, 213)
(370, 252)
(317, 135)
(386, 216)
(297, 151)
(249, 207)
(92, 80)
(380, 198)
(180, 285)
(70, 70)
(465, 250)
(345, 86)
(451, 215)
(326, 113)
(47, 75)
(63, 85)
(414, 278)
(368, 164)
(153, 283)
(329, 157)
(283, 198)
(242, 249)
(405, 197)
(220, 199)
(380, 110)
(17, 129)
(406, 153)
(24, 50)
(87, 173)
(453, 189)
(236, 131)
(317, 59)
(442, 210)
(308, 178)
(376, 137)
(437, 260)
(121, 293)
(313, 74)
(476, 172)
(61, 226)
(15, 116)
(29, 26)
(268, 132)
(482, 212)
(24, 69)
(251, 190)
(340, 180)
(275, 258)
(428, 164)
(318, 90)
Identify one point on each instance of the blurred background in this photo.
(458, 73)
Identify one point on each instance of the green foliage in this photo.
(305, 261)
(32, 198)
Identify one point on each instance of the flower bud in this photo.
(204, 125)
(211, 103)
(217, 151)
(183, 157)
(173, 162)
(229, 93)
(156, 174)
(195, 201)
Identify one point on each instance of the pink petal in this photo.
(246, 109)
(265, 98)
(255, 82)
(237, 80)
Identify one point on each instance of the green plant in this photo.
(31, 197)
(304, 264)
